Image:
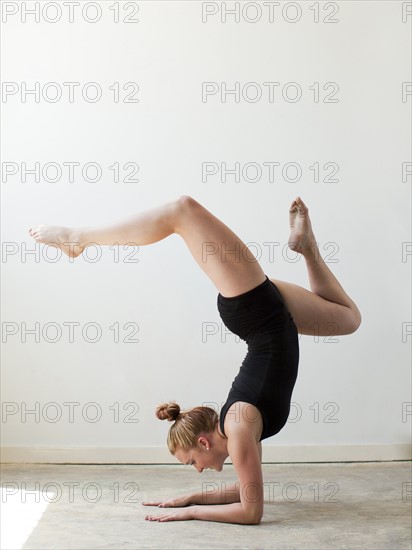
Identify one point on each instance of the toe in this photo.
(302, 207)
(301, 203)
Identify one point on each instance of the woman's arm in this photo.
(246, 458)
(225, 494)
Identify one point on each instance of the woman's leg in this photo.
(327, 310)
(218, 251)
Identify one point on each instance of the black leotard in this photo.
(268, 373)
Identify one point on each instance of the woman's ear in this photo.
(204, 443)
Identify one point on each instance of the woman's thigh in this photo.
(314, 315)
(219, 252)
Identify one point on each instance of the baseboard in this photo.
(160, 455)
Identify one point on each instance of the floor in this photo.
(307, 506)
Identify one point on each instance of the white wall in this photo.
(361, 219)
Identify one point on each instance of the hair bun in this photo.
(168, 411)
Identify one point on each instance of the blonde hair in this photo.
(187, 424)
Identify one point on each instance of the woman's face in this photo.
(200, 458)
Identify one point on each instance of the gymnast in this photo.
(268, 314)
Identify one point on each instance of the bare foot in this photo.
(301, 238)
(64, 238)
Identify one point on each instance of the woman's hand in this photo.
(174, 515)
(178, 502)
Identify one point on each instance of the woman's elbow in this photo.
(255, 517)
(255, 520)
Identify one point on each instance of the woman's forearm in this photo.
(227, 513)
(214, 493)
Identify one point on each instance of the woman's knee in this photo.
(356, 321)
(186, 201)
(183, 207)
(352, 321)
(187, 205)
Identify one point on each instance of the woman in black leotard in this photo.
(268, 373)
(267, 314)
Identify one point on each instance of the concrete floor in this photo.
(307, 506)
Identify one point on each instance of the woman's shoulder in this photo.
(242, 417)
